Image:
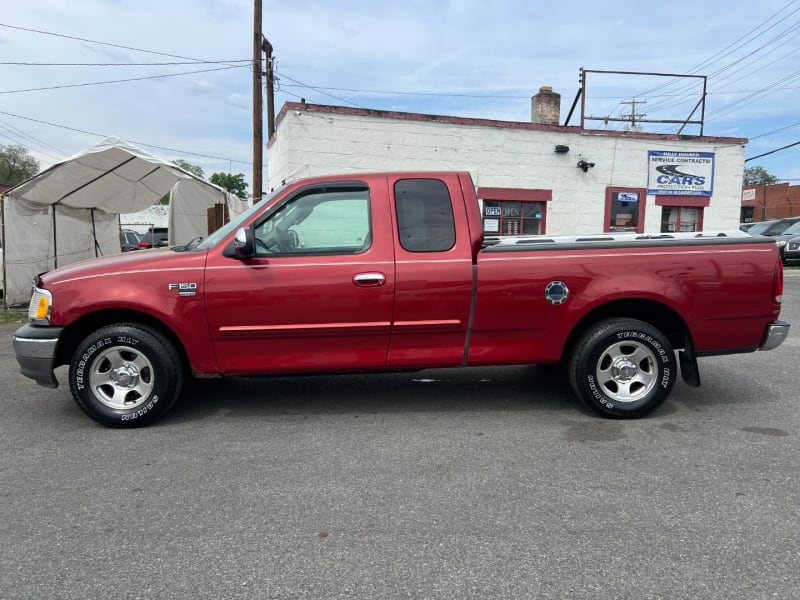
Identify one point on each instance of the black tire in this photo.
(623, 368)
(126, 375)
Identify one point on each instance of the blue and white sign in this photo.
(680, 173)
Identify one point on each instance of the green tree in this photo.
(187, 166)
(758, 176)
(233, 183)
(16, 164)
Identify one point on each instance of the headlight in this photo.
(781, 243)
(39, 309)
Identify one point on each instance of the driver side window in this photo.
(320, 221)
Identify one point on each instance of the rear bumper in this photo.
(775, 335)
(35, 348)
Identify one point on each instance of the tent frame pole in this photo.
(3, 238)
(94, 237)
(55, 238)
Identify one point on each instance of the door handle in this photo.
(369, 279)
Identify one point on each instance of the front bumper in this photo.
(775, 335)
(35, 348)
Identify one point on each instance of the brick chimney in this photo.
(546, 106)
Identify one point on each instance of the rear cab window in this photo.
(425, 220)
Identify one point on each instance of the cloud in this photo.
(466, 48)
(239, 101)
(202, 86)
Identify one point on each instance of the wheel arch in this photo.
(90, 322)
(662, 317)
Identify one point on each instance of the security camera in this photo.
(584, 166)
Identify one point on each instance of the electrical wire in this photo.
(112, 45)
(15, 139)
(738, 44)
(404, 93)
(729, 49)
(94, 133)
(768, 133)
(772, 151)
(319, 90)
(134, 64)
(29, 140)
(74, 85)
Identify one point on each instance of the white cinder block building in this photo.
(536, 177)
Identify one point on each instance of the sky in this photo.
(448, 57)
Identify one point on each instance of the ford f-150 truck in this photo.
(390, 271)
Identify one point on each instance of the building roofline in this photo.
(428, 118)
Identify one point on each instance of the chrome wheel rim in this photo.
(121, 378)
(627, 371)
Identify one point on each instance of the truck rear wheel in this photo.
(623, 368)
(125, 375)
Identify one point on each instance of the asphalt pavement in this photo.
(475, 483)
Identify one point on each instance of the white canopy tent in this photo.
(70, 212)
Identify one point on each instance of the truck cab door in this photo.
(434, 273)
(317, 293)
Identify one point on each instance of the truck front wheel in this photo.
(125, 375)
(623, 368)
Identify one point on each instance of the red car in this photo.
(389, 271)
(156, 237)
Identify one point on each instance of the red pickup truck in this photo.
(390, 271)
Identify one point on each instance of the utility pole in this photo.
(267, 48)
(634, 115)
(258, 105)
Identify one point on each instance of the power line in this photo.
(28, 139)
(490, 96)
(80, 39)
(775, 131)
(74, 85)
(94, 133)
(746, 101)
(122, 64)
(772, 151)
(715, 58)
(319, 90)
(16, 139)
(738, 44)
(402, 93)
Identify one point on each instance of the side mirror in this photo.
(244, 245)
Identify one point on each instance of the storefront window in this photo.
(675, 219)
(625, 209)
(507, 217)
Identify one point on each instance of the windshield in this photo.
(760, 228)
(794, 229)
(233, 225)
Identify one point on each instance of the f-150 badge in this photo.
(184, 289)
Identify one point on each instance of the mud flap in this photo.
(687, 358)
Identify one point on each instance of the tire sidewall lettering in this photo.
(80, 370)
(662, 353)
(665, 378)
(140, 412)
(150, 343)
(598, 395)
(598, 341)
